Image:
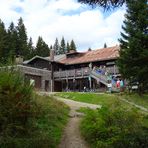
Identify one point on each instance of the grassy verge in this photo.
(50, 117)
(116, 124)
(139, 100)
(105, 99)
(51, 120)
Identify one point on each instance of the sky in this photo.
(88, 27)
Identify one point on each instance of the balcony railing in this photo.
(83, 72)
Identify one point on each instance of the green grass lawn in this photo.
(89, 97)
(105, 99)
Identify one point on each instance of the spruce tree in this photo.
(3, 43)
(31, 49)
(56, 47)
(50, 47)
(67, 47)
(89, 49)
(13, 40)
(42, 48)
(105, 45)
(72, 45)
(62, 46)
(22, 39)
(133, 61)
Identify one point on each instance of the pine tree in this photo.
(89, 49)
(67, 47)
(56, 47)
(31, 49)
(3, 43)
(105, 45)
(133, 61)
(22, 39)
(62, 46)
(50, 47)
(72, 45)
(13, 40)
(42, 48)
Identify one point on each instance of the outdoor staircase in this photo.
(99, 77)
(102, 79)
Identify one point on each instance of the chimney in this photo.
(52, 54)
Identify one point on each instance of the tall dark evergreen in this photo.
(89, 49)
(67, 47)
(56, 47)
(31, 49)
(42, 48)
(72, 45)
(50, 47)
(12, 40)
(62, 46)
(3, 43)
(22, 39)
(133, 61)
(105, 45)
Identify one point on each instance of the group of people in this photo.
(120, 84)
(100, 70)
(112, 81)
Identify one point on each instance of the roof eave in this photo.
(115, 58)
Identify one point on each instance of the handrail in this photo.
(81, 72)
(100, 77)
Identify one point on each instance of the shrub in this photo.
(15, 104)
(114, 126)
(28, 120)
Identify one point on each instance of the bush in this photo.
(15, 104)
(26, 119)
(114, 127)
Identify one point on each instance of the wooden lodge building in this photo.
(73, 71)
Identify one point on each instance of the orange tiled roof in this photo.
(94, 55)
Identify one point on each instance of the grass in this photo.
(139, 100)
(115, 111)
(105, 100)
(89, 97)
(50, 118)
(51, 121)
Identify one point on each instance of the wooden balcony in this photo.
(71, 74)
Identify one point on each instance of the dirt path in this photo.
(72, 137)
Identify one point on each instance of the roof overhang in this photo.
(36, 57)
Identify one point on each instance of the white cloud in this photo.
(50, 19)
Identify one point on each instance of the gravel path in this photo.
(71, 137)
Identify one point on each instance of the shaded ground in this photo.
(71, 137)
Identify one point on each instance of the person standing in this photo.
(121, 85)
(118, 83)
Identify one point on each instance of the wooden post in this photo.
(114, 69)
(67, 83)
(52, 69)
(89, 78)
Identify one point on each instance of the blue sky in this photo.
(56, 18)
